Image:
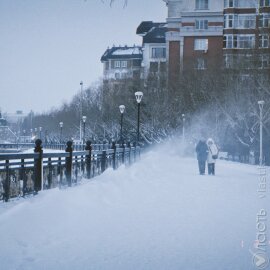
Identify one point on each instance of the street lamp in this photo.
(81, 84)
(84, 120)
(61, 130)
(183, 131)
(138, 96)
(122, 110)
(261, 103)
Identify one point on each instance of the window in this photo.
(264, 20)
(162, 66)
(228, 41)
(159, 52)
(229, 21)
(265, 61)
(239, 41)
(117, 75)
(240, 3)
(117, 64)
(264, 3)
(245, 41)
(245, 21)
(137, 63)
(124, 75)
(201, 4)
(230, 3)
(153, 66)
(123, 64)
(200, 63)
(228, 61)
(264, 41)
(240, 21)
(200, 44)
(201, 24)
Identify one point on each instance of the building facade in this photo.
(206, 34)
(246, 34)
(153, 47)
(121, 63)
(195, 34)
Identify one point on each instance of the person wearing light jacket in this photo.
(212, 156)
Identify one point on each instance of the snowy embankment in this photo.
(157, 214)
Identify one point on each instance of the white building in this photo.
(121, 63)
(153, 47)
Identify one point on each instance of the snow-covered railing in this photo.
(24, 174)
(53, 146)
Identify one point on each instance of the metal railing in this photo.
(25, 174)
(53, 146)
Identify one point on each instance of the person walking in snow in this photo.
(212, 156)
(202, 153)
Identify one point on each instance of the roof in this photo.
(152, 32)
(125, 52)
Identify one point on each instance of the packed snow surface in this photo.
(158, 214)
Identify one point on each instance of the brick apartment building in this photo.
(195, 34)
(246, 33)
(204, 34)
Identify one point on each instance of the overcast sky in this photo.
(48, 46)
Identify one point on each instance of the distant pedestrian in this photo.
(202, 153)
(212, 156)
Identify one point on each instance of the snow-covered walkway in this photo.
(157, 214)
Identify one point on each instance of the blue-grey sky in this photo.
(48, 46)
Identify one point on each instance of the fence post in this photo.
(114, 155)
(6, 185)
(38, 167)
(69, 163)
(50, 173)
(23, 177)
(103, 161)
(88, 148)
(129, 154)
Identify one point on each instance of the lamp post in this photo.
(81, 84)
(138, 96)
(261, 103)
(84, 120)
(122, 110)
(183, 131)
(61, 124)
(40, 129)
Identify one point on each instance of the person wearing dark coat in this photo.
(202, 153)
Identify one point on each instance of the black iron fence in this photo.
(25, 174)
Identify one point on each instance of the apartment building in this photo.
(121, 63)
(153, 47)
(206, 34)
(195, 34)
(246, 33)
